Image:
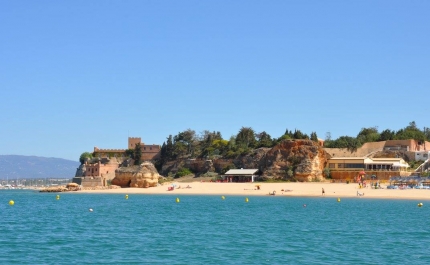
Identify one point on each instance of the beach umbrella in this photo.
(362, 172)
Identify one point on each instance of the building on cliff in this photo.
(349, 168)
(96, 172)
(412, 148)
(149, 152)
(101, 169)
(381, 159)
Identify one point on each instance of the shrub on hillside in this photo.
(183, 172)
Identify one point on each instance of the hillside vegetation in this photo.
(189, 144)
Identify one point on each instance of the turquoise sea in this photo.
(154, 229)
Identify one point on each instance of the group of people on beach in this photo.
(375, 185)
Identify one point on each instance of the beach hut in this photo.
(241, 175)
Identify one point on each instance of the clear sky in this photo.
(78, 74)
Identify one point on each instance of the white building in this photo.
(422, 155)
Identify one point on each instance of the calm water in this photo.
(154, 229)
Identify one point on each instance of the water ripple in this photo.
(207, 230)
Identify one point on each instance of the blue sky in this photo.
(79, 74)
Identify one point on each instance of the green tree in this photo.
(283, 137)
(386, 135)
(299, 135)
(206, 141)
(137, 154)
(246, 138)
(289, 133)
(427, 133)
(314, 137)
(410, 132)
(84, 156)
(187, 141)
(350, 143)
(232, 143)
(129, 153)
(169, 155)
(179, 149)
(264, 140)
(219, 146)
(368, 135)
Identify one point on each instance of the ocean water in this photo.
(154, 229)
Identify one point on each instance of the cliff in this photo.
(143, 176)
(303, 157)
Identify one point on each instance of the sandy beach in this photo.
(335, 190)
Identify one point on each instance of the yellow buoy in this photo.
(420, 204)
(126, 197)
(11, 203)
(57, 197)
(246, 200)
(177, 200)
(338, 199)
(222, 197)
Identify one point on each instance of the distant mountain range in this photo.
(22, 167)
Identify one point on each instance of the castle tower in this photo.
(132, 141)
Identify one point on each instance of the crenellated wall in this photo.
(149, 152)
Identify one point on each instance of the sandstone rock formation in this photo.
(304, 160)
(305, 156)
(72, 186)
(253, 160)
(143, 176)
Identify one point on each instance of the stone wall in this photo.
(365, 150)
(99, 169)
(92, 182)
(150, 152)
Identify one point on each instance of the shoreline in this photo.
(294, 189)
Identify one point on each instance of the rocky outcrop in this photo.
(54, 189)
(253, 160)
(143, 176)
(200, 165)
(304, 158)
(110, 187)
(80, 171)
(72, 186)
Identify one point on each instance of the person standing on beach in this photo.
(323, 192)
